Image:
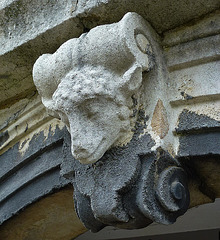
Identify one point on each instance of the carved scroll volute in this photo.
(89, 83)
(117, 46)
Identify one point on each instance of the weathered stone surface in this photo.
(129, 187)
(3, 137)
(27, 177)
(89, 83)
(155, 187)
(27, 30)
(24, 38)
(192, 122)
(200, 135)
(159, 121)
(162, 15)
(51, 218)
(186, 81)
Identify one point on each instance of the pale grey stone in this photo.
(30, 28)
(89, 83)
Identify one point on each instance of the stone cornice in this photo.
(153, 106)
(24, 39)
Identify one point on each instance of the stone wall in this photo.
(182, 106)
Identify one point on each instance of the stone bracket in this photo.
(129, 187)
(89, 75)
(94, 85)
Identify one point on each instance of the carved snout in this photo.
(92, 136)
(86, 148)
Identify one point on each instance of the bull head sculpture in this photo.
(94, 85)
(89, 84)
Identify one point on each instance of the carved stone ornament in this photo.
(94, 85)
(89, 83)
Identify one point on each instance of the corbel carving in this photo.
(129, 187)
(94, 85)
(89, 83)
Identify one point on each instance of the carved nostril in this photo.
(81, 152)
(78, 149)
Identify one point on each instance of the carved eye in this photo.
(91, 114)
(87, 110)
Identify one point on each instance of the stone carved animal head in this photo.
(92, 93)
(96, 107)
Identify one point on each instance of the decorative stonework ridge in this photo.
(95, 85)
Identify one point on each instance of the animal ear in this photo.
(133, 78)
(49, 69)
(43, 80)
